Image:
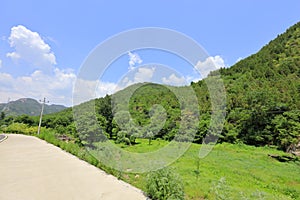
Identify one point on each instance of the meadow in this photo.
(230, 171)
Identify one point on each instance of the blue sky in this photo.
(44, 43)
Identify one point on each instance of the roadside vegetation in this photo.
(255, 155)
(230, 171)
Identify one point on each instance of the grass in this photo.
(230, 171)
(247, 171)
(142, 145)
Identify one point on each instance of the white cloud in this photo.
(56, 87)
(138, 75)
(86, 90)
(46, 81)
(144, 74)
(134, 59)
(104, 88)
(0, 64)
(210, 64)
(30, 47)
(174, 80)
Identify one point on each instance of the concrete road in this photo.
(33, 169)
(2, 137)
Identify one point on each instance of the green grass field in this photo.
(230, 171)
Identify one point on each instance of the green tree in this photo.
(287, 130)
(89, 130)
(25, 119)
(2, 115)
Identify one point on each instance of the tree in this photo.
(89, 130)
(2, 115)
(202, 128)
(287, 130)
(25, 119)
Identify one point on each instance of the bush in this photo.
(20, 128)
(164, 185)
(220, 190)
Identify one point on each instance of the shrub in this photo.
(20, 128)
(164, 185)
(220, 190)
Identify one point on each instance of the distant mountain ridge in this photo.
(28, 106)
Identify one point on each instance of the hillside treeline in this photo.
(262, 105)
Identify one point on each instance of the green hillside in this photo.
(263, 98)
(28, 106)
(262, 94)
(262, 110)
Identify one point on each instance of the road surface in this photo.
(2, 137)
(33, 169)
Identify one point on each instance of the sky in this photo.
(44, 44)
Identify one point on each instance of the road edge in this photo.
(5, 137)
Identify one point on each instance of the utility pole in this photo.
(41, 116)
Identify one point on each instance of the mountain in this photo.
(263, 94)
(274, 71)
(262, 98)
(28, 106)
(262, 104)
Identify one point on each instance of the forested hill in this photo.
(274, 71)
(28, 106)
(263, 103)
(263, 100)
(263, 94)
